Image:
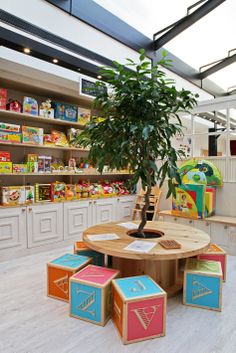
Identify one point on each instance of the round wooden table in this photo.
(159, 263)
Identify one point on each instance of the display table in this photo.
(161, 264)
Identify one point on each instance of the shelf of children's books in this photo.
(94, 173)
(40, 119)
(28, 145)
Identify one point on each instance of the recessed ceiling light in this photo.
(55, 61)
(26, 50)
(99, 77)
(79, 69)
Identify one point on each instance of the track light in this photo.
(26, 50)
(55, 61)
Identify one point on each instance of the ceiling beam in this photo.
(184, 23)
(219, 66)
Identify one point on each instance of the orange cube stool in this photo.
(215, 253)
(60, 270)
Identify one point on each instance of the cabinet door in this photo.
(219, 234)
(45, 224)
(13, 228)
(231, 241)
(124, 208)
(203, 225)
(77, 217)
(104, 211)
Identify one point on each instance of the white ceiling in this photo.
(206, 41)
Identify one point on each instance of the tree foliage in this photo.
(140, 112)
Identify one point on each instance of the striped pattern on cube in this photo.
(80, 248)
(203, 284)
(215, 253)
(90, 294)
(60, 270)
(138, 308)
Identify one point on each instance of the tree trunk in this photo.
(144, 210)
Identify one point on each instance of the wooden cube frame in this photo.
(215, 253)
(58, 276)
(199, 279)
(96, 296)
(120, 308)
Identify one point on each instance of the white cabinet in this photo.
(219, 234)
(231, 240)
(203, 225)
(170, 219)
(104, 211)
(77, 217)
(13, 228)
(125, 207)
(44, 224)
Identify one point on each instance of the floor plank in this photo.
(30, 322)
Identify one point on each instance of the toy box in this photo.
(32, 135)
(45, 109)
(60, 270)
(9, 127)
(65, 112)
(44, 164)
(29, 194)
(42, 192)
(3, 98)
(32, 157)
(10, 137)
(59, 138)
(14, 105)
(12, 195)
(32, 167)
(19, 168)
(80, 248)
(30, 106)
(189, 201)
(72, 134)
(5, 167)
(138, 308)
(210, 200)
(58, 192)
(84, 116)
(215, 253)
(203, 284)
(5, 156)
(90, 294)
(70, 192)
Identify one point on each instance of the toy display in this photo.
(83, 116)
(90, 289)
(57, 165)
(19, 168)
(48, 140)
(203, 284)
(138, 308)
(46, 110)
(59, 138)
(12, 195)
(212, 173)
(72, 163)
(29, 194)
(30, 106)
(32, 135)
(44, 164)
(32, 157)
(189, 201)
(65, 112)
(60, 270)
(5, 167)
(58, 192)
(42, 192)
(70, 192)
(210, 199)
(41, 164)
(9, 127)
(3, 98)
(72, 134)
(32, 167)
(5, 156)
(14, 105)
(10, 137)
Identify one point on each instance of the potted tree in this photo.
(140, 115)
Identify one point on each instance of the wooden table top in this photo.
(193, 241)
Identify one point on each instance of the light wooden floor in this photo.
(30, 322)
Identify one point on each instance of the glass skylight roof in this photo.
(206, 41)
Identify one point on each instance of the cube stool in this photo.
(203, 284)
(60, 270)
(90, 294)
(138, 308)
(80, 248)
(215, 253)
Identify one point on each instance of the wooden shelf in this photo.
(94, 173)
(35, 118)
(43, 146)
